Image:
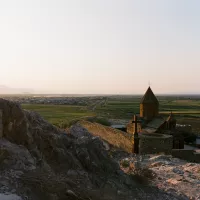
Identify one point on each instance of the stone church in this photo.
(150, 122)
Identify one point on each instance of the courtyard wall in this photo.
(188, 155)
(155, 143)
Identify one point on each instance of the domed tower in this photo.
(149, 105)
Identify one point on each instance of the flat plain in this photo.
(185, 108)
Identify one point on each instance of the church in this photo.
(150, 121)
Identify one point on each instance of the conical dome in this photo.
(149, 97)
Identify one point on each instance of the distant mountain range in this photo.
(8, 90)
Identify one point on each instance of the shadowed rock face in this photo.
(38, 162)
(15, 126)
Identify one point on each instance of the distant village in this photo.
(54, 99)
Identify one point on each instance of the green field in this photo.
(119, 108)
(126, 107)
(57, 114)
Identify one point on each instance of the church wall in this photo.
(153, 145)
(149, 111)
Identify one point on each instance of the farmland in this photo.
(58, 114)
(186, 109)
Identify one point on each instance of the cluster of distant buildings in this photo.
(55, 100)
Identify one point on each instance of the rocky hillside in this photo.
(40, 162)
(170, 174)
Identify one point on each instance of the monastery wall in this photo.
(188, 155)
(155, 143)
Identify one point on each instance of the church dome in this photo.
(149, 97)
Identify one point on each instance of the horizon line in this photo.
(115, 94)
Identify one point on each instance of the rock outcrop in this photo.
(171, 174)
(39, 161)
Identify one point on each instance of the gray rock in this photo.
(160, 157)
(178, 171)
(71, 193)
(10, 197)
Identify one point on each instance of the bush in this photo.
(66, 124)
(125, 163)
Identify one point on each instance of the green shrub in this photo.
(66, 124)
(125, 163)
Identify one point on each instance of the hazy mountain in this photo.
(8, 90)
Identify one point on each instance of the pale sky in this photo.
(100, 46)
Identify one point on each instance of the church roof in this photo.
(148, 130)
(171, 118)
(149, 97)
(156, 123)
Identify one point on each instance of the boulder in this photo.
(15, 126)
(9, 197)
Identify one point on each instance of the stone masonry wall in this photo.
(149, 111)
(153, 145)
(131, 128)
(188, 155)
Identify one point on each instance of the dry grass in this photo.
(114, 137)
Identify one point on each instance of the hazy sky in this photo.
(100, 46)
